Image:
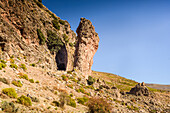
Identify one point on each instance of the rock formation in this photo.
(28, 29)
(88, 41)
(139, 90)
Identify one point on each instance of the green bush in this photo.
(82, 90)
(78, 90)
(24, 100)
(23, 76)
(56, 24)
(2, 65)
(37, 82)
(33, 65)
(90, 80)
(64, 77)
(98, 105)
(71, 95)
(62, 22)
(72, 103)
(71, 44)
(31, 80)
(54, 42)
(23, 66)
(12, 60)
(3, 61)
(41, 37)
(5, 81)
(14, 66)
(70, 86)
(65, 37)
(82, 100)
(10, 92)
(17, 83)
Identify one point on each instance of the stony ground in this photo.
(49, 86)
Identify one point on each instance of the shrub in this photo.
(14, 66)
(90, 80)
(37, 82)
(70, 86)
(71, 44)
(18, 58)
(23, 66)
(5, 81)
(2, 65)
(71, 95)
(3, 61)
(65, 37)
(39, 3)
(31, 80)
(17, 83)
(90, 87)
(41, 37)
(24, 100)
(23, 76)
(54, 42)
(33, 65)
(62, 22)
(82, 90)
(12, 60)
(8, 107)
(64, 77)
(82, 100)
(56, 103)
(98, 105)
(12, 56)
(56, 24)
(78, 90)
(72, 102)
(69, 72)
(10, 92)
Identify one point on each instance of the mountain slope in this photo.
(45, 67)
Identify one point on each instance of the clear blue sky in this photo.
(134, 35)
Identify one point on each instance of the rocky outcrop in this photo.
(139, 90)
(29, 30)
(88, 41)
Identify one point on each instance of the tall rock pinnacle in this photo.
(88, 42)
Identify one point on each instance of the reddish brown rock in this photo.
(87, 46)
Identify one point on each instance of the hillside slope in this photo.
(45, 67)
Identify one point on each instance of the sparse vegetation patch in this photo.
(24, 100)
(10, 92)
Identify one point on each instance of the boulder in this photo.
(139, 90)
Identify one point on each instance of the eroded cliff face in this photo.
(88, 42)
(29, 30)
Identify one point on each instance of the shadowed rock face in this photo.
(61, 58)
(88, 41)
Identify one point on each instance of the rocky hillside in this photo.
(46, 67)
(28, 29)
